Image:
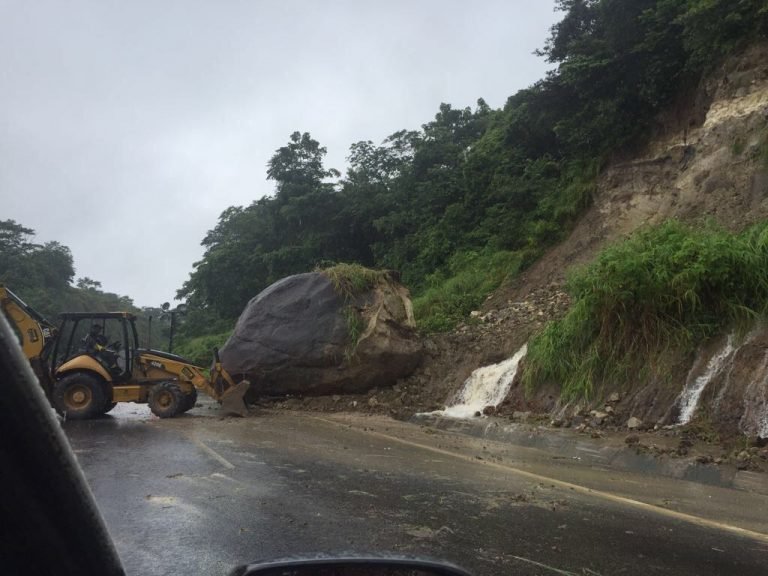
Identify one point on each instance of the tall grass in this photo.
(349, 280)
(664, 289)
(471, 277)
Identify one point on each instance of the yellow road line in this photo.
(698, 520)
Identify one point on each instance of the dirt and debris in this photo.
(450, 359)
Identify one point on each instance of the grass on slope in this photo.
(472, 276)
(665, 288)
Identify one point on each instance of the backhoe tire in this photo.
(79, 396)
(189, 400)
(108, 392)
(166, 400)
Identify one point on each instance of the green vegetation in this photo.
(349, 280)
(471, 277)
(475, 194)
(355, 328)
(42, 275)
(199, 350)
(664, 289)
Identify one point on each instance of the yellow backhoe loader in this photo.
(92, 361)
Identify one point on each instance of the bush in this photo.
(199, 350)
(665, 288)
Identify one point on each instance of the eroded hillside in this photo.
(708, 161)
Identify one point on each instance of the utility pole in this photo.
(180, 309)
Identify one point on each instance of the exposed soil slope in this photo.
(704, 163)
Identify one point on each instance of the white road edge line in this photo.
(698, 520)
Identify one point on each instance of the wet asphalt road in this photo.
(200, 495)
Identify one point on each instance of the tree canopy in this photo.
(474, 182)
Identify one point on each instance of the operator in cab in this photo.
(95, 344)
(95, 341)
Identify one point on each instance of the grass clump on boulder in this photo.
(351, 280)
(664, 289)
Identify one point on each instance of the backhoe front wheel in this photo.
(189, 400)
(79, 396)
(166, 399)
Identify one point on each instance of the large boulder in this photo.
(307, 335)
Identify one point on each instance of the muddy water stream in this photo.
(486, 386)
(695, 385)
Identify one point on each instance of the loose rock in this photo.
(632, 439)
(634, 423)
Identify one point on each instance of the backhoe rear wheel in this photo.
(79, 396)
(166, 399)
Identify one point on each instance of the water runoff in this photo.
(486, 386)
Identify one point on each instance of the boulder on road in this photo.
(320, 333)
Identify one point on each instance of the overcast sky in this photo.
(127, 127)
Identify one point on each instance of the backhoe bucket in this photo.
(232, 402)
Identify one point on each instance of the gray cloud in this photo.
(127, 127)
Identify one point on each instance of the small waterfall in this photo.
(486, 386)
(689, 398)
(754, 421)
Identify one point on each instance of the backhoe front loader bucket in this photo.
(232, 402)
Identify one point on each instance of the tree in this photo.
(86, 283)
(297, 167)
(252, 247)
(14, 238)
(42, 273)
